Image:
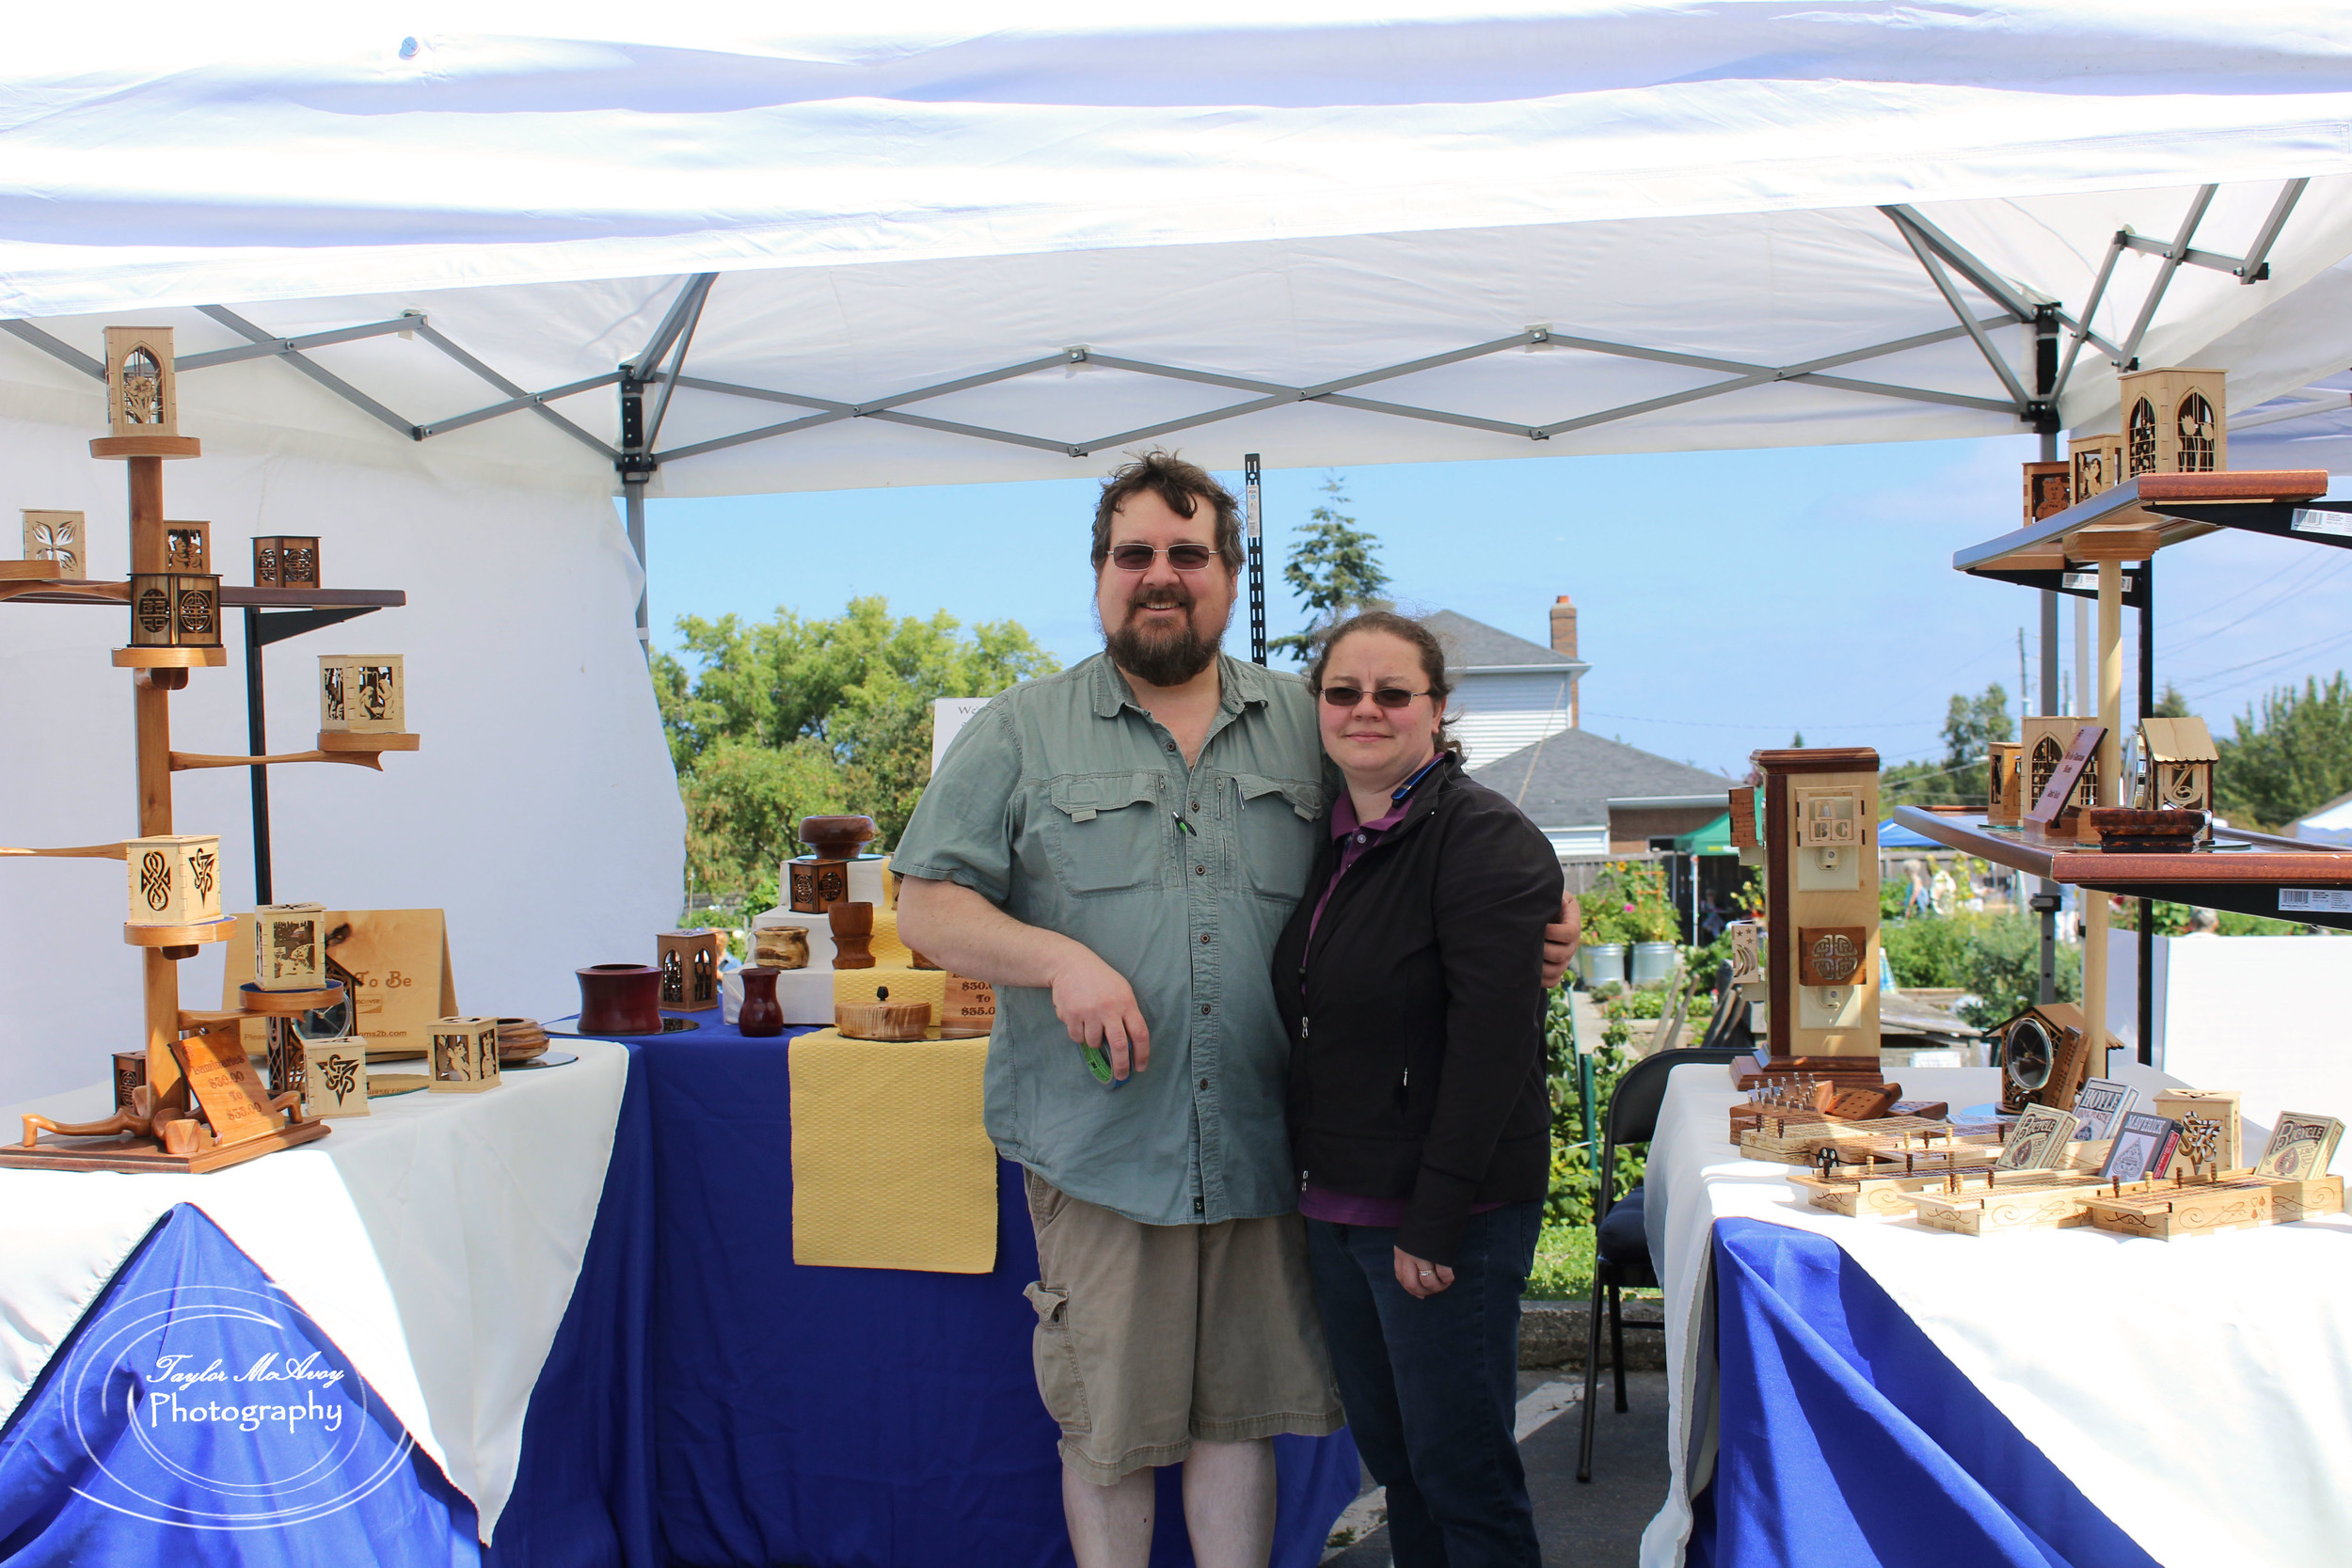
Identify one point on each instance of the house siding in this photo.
(1496, 715)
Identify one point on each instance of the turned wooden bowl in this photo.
(882, 1020)
(836, 838)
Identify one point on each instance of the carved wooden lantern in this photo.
(286, 561)
(142, 394)
(817, 885)
(362, 693)
(175, 610)
(967, 1009)
(57, 536)
(689, 969)
(2177, 757)
(2175, 422)
(2002, 805)
(464, 1057)
(174, 880)
(187, 546)
(290, 946)
(2049, 490)
(335, 1078)
(2097, 462)
(2045, 738)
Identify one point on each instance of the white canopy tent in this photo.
(413, 278)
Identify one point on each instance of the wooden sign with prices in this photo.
(2071, 784)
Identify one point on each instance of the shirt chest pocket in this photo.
(1106, 832)
(1278, 833)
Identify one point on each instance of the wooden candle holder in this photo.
(335, 1078)
(362, 694)
(817, 884)
(174, 880)
(853, 933)
(286, 561)
(288, 947)
(142, 390)
(464, 1055)
(188, 547)
(688, 962)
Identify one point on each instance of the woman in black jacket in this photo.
(1410, 978)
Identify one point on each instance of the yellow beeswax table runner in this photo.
(891, 1167)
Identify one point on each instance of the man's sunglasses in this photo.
(1389, 697)
(1184, 557)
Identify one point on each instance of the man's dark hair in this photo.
(1184, 486)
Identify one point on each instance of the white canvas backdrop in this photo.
(541, 814)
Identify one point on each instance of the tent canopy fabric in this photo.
(1437, 233)
(1894, 835)
(1714, 839)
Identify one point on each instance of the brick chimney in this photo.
(1564, 641)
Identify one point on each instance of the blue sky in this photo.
(1726, 600)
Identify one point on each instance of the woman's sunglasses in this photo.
(1184, 557)
(1389, 697)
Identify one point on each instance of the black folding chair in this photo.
(1621, 1257)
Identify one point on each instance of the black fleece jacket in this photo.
(1416, 1017)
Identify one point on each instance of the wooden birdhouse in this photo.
(2045, 738)
(2002, 803)
(142, 394)
(335, 1078)
(2175, 422)
(362, 693)
(689, 969)
(2097, 462)
(464, 1055)
(174, 880)
(286, 561)
(817, 885)
(57, 536)
(2176, 758)
(187, 546)
(175, 610)
(290, 947)
(2049, 490)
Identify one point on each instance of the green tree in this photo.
(1333, 570)
(2292, 759)
(2172, 704)
(1970, 725)
(801, 716)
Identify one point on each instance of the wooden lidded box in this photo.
(286, 561)
(175, 610)
(464, 1057)
(174, 878)
(57, 536)
(364, 693)
(290, 946)
(142, 392)
(689, 969)
(2097, 462)
(2175, 422)
(335, 1078)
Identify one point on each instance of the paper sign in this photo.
(2067, 774)
(949, 715)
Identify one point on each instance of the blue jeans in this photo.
(1431, 1387)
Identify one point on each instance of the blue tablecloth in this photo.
(1847, 1439)
(705, 1400)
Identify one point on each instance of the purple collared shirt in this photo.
(1321, 1203)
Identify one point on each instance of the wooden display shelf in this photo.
(146, 446)
(362, 740)
(37, 571)
(180, 936)
(214, 658)
(2245, 881)
(2135, 518)
(105, 591)
(138, 1155)
(258, 1003)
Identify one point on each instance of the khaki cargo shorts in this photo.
(1151, 1337)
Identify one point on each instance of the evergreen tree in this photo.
(1333, 572)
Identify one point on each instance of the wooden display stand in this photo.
(201, 1107)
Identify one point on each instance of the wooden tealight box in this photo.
(362, 694)
(188, 547)
(2098, 465)
(286, 561)
(817, 885)
(2003, 806)
(2044, 738)
(175, 610)
(2175, 422)
(335, 1078)
(688, 962)
(464, 1055)
(288, 947)
(968, 1009)
(2212, 1139)
(57, 536)
(174, 880)
(142, 390)
(2049, 490)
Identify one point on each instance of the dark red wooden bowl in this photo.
(620, 999)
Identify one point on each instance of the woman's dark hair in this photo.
(1424, 641)
(1183, 486)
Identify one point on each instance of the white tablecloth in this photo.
(436, 1242)
(2197, 1392)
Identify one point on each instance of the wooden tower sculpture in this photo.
(198, 1105)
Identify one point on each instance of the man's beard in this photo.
(1156, 656)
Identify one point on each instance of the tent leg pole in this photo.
(636, 504)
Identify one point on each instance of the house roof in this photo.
(1568, 780)
(1473, 644)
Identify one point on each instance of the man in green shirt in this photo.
(1116, 848)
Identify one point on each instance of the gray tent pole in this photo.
(2046, 898)
(635, 466)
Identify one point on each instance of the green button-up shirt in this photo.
(1070, 807)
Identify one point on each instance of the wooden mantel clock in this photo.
(200, 1106)
(1821, 912)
